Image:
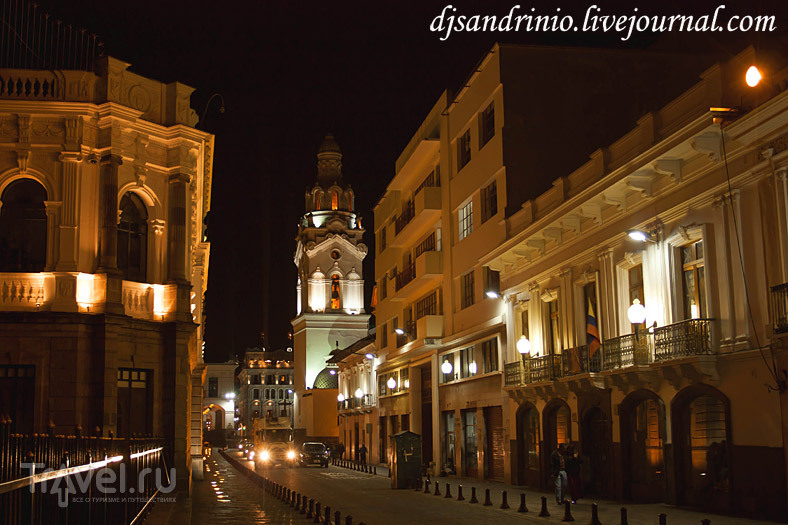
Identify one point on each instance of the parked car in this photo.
(313, 453)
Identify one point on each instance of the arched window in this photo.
(133, 238)
(281, 394)
(335, 292)
(334, 200)
(23, 227)
(267, 394)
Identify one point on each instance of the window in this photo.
(133, 238)
(694, 281)
(467, 362)
(489, 201)
(552, 343)
(213, 387)
(256, 393)
(269, 379)
(23, 227)
(382, 239)
(465, 220)
(492, 282)
(281, 394)
(382, 386)
(256, 379)
(427, 305)
(268, 393)
(335, 292)
(636, 288)
(384, 336)
(466, 290)
(490, 355)
(464, 150)
(135, 402)
(486, 125)
(447, 450)
(334, 200)
(471, 442)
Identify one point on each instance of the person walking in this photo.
(558, 468)
(341, 450)
(573, 470)
(362, 454)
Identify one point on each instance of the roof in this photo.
(338, 356)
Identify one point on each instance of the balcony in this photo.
(626, 350)
(577, 361)
(364, 403)
(430, 327)
(686, 338)
(423, 210)
(780, 308)
(418, 276)
(25, 291)
(513, 373)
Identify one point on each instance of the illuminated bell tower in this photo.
(330, 289)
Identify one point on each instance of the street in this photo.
(370, 499)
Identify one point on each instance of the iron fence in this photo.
(626, 350)
(76, 479)
(405, 276)
(685, 338)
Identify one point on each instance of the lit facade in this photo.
(218, 398)
(330, 292)
(104, 183)
(266, 385)
(683, 408)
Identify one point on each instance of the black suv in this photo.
(314, 454)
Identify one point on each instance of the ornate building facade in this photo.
(266, 385)
(330, 291)
(104, 183)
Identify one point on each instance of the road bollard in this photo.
(310, 510)
(522, 508)
(427, 487)
(337, 518)
(663, 519)
(327, 519)
(287, 496)
(473, 496)
(375, 470)
(567, 511)
(544, 513)
(487, 501)
(297, 501)
(624, 520)
(437, 490)
(504, 500)
(448, 491)
(316, 518)
(459, 493)
(594, 515)
(348, 520)
(706, 521)
(303, 505)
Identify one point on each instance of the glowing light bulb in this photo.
(753, 76)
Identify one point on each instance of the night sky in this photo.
(290, 72)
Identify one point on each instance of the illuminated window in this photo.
(133, 238)
(465, 220)
(23, 227)
(335, 292)
(694, 281)
(334, 200)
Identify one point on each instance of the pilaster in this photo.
(69, 240)
(53, 219)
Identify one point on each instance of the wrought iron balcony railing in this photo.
(367, 400)
(405, 276)
(685, 338)
(626, 350)
(543, 368)
(577, 361)
(513, 373)
(408, 212)
(780, 308)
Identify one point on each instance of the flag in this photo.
(592, 331)
(574, 360)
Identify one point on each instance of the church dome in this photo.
(325, 379)
(353, 275)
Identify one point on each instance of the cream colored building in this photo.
(686, 407)
(266, 386)
(219, 397)
(104, 183)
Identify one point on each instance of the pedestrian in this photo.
(362, 454)
(558, 468)
(573, 469)
(341, 451)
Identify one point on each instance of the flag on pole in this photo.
(592, 331)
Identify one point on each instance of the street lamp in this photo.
(229, 395)
(446, 367)
(359, 393)
(636, 315)
(523, 345)
(753, 76)
(391, 383)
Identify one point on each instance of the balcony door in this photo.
(642, 439)
(528, 467)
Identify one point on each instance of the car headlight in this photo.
(290, 454)
(240, 447)
(251, 454)
(264, 455)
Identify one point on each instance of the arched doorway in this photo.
(595, 450)
(557, 430)
(528, 462)
(642, 446)
(23, 227)
(701, 438)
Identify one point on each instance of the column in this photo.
(52, 209)
(727, 313)
(782, 213)
(69, 242)
(108, 213)
(567, 309)
(436, 417)
(177, 244)
(156, 251)
(742, 321)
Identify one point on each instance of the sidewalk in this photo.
(609, 510)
